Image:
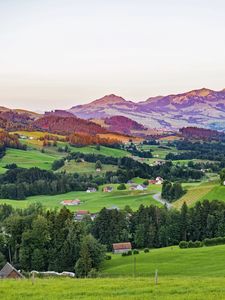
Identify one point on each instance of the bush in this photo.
(135, 251)
(191, 244)
(121, 187)
(198, 244)
(129, 252)
(146, 250)
(108, 257)
(183, 245)
(214, 241)
(124, 254)
(93, 274)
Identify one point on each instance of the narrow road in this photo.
(158, 198)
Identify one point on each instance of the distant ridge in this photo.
(201, 108)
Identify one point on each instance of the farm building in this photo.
(138, 187)
(80, 214)
(107, 189)
(71, 202)
(8, 271)
(91, 190)
(158, 180)
(122, 247)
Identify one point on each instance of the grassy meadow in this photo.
(28, 159)
(170, 261)
(86, 168)
(182, 274)
(93, 202)
(168, 288)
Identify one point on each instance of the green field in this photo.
(28, 159)
(168, 288)
(86, 168)
(182, 274)
(170, 261)
(195, 192)
(217, 193)
(93, 202)
(107, 151)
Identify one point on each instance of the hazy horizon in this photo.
(57, 54)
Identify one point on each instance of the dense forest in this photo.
(48, 240)
(198, 150)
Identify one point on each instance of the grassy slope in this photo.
(28, 159)
(86, 167)
(195, 192)
(173, 288)
(171, 261)
(107, 151)
(217, 193)
(93, 201)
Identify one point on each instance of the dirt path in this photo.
(158, 198)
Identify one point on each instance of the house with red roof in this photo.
(122, 247)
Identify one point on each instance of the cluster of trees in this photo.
(202, 133)
(10, 141)
(158, 227)
(132, 148)
(206, 242)
(51, 240)
(66, 125)
(83, 139)
(172, 191)
(18, 183)
(34, 239)
(198, 150)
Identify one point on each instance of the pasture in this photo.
(170, 261)
(168, 288)
(28, 159)
(93, 202)
(86, 168)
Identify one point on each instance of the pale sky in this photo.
(59, 53)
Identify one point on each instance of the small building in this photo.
(107, 189)
(80, 214)
(130, 182)
(159, 180)
(71, 202)
(91, 190)
(122, 247)
(8, 271)
(98, 170)
(138, 187)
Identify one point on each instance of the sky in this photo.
(60, 53)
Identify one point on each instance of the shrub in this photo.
(135, 251)
(93, 274)
(183, 244)
(198, 244)
(129, 252)
(191, 244)
(121, 187)
(108, 257)
(146, 250)
(124, 254)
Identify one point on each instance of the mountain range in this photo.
(201, 108)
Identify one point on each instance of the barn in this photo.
(122, 247)
(8, 271)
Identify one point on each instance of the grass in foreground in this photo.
(168, 288)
